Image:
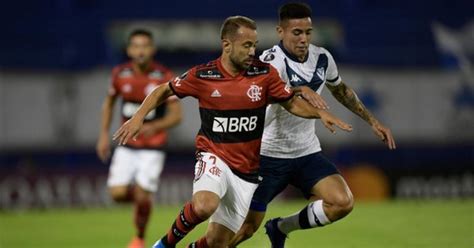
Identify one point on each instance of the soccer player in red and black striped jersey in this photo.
(233, 92)
(135, 168)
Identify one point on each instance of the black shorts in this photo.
(303, 173)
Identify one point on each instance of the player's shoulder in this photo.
(207, 71)
(159, 71)
(157, 66)
(318, 50)
(272, 55)
(123, 70)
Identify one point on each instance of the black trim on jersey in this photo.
(252, 177)
(291, 56)
(154, 148)
(174, 91)
(209, 73)
(257, 69)
(333, 80)
(160, 110)
(232, 126)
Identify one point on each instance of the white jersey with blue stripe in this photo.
(286, 135)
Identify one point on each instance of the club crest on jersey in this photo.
(321, 73)
(254, 93)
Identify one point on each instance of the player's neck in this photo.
(141, 68)
(229, 66)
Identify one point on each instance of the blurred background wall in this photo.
(409, 61)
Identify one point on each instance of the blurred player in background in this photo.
(135, 168)
(291, 152)
(233, 92)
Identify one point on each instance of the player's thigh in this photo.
(275, 175)
(150, 165)
(254, 219)
(218, 235)
(332, 189)
(122, 167)
(310, 170)
(211, 174)
(234, 206)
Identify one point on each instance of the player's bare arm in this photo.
(311, 96)
(301, 108)
(172, 118)
(103, 143)
(131, 127)
(347, 96)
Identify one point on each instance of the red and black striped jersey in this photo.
(232, 109)
(133, 87)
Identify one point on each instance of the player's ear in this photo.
(226, 45)
(279, 30)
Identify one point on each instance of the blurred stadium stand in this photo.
(409, 61)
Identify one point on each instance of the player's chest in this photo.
(243, 93)
(311, 73)
(137, 87)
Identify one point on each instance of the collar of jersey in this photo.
(150, 68)
(225, 72)
(291, 56)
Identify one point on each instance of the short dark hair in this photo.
(294, 11)
(138, 32)
(233, 23)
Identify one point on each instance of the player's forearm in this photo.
(153, 100)
(106, 115)
(302, 108)
(347, 97)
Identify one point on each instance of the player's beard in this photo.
(241, 66)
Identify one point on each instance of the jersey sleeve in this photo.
(278, 91)
(185, 85)
(114, 89)
(332, 75)
(272, 57)
(169, 76)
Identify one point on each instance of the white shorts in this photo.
(140, 166)
(212, 174)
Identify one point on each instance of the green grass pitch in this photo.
(394, 224)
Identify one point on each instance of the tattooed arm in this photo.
(347, 97)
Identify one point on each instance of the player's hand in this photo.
(312, 97)
(103, 148)
(128, 130)
(384, 134)
(329, 121)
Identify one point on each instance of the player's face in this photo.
(141, 49)
(242, 48)
(296, 36)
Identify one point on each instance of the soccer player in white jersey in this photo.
(291, 152)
